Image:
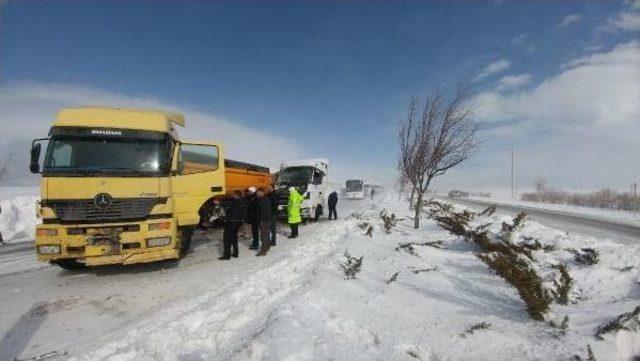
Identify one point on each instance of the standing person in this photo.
(373, 192)
(252, 217)
(293, 210)
(233, 220)
(264, 220)
(273, 198)
(333, 202)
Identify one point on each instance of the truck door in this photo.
(198, 175)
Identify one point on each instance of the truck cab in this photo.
(119, 186)
(310, 178)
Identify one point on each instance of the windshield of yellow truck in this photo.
(112, 156)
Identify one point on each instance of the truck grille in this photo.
(85, 210)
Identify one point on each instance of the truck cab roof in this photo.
(319, 163)
(122, 118)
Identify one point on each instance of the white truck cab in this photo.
(310, 178)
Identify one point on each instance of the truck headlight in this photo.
(43, 232)
(159, 226)
(158, 242)
(49, 249)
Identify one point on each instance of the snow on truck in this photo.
(310, 178)
(120, 187)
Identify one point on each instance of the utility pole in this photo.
(512, 193)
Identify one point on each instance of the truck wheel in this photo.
(185, 240)
(69, 264)
(318, 213)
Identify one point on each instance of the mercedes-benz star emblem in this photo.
(103, 200)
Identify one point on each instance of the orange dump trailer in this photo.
(240, 176)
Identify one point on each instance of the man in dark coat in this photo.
(252, 217)
(263, 213)
(333, 202)
(234, 216)
(273, 198)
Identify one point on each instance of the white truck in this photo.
(310, 178)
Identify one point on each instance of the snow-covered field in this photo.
(295, 304)
(614, 215)
(18, 217)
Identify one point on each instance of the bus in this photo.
(354, 189)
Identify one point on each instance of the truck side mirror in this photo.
(35, 158)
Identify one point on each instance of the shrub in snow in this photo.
(477, 327)
(367, 227)
(587, 256)
(519, 273)
(590, 355)
(513, 262)
(393, 278)
(389, 221)
(561, 328)
(626, 321)
(454, 222)
(489, 211)
(420, 270)
(409, 246)
(351, 265)
(563, 285)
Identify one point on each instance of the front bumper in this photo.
(111, 243)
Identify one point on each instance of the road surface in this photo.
(570, 222)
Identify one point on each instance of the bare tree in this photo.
(435, 139)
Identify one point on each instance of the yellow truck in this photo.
(120, 187)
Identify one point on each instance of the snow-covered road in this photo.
(48, 309)
(593, 225)
(406, 304)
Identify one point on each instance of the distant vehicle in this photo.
(355, 189)
(369, 187)
(458, 194)
(310, 178)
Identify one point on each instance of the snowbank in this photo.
(18, 218)
(428, 302)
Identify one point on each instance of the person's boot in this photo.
(273, 243)
(235, 255)
(291, 236)
(254, 247)
(224, 258)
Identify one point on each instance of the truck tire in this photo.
(185, 240)
(69, 264)
(318, 213)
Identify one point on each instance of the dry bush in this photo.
(367, 227)
(393, 278)
(604, 198)
(590, 355)
(389, 221)
(586, 256)
(351, 265)
(489, 211)
(476, 327)
(421, 270)
(563, 285)
(626, 321)
(560, 328)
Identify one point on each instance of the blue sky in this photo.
(332, 76)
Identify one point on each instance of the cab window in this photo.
(197, 158)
